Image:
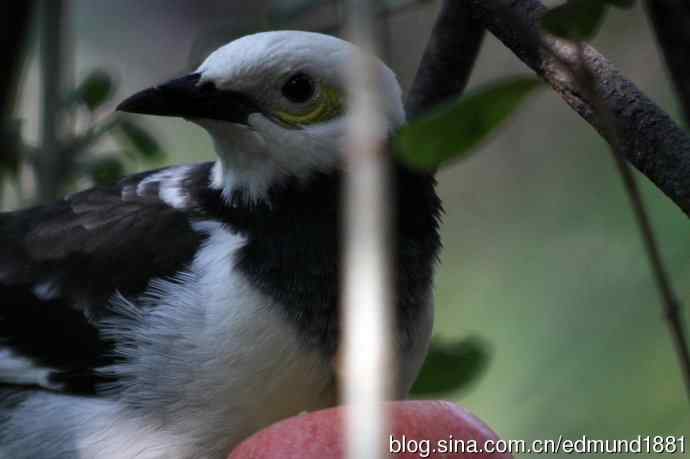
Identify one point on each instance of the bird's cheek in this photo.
(233, 140)
(275, 136)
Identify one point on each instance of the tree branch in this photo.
(634, 126)
(650, 140)
(671, 22)
(672, 306)
(451, 51)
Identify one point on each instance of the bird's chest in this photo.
(216, 359)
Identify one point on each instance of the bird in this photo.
(180, 310)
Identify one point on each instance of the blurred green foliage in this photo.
(451, 367)
(92, 94)
(453, 130)
(140, 142)
(94, 91)
(579, 19)
(104, 170)
(575, 20)
(79, 150)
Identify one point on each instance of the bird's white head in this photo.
(275, 104)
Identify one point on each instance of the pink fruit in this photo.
(419, 429)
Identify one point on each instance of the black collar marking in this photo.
(293, 249)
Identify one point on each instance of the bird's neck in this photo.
(243, 170)
(254, 161)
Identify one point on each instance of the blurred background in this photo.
(543, 267)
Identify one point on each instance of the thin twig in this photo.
(637, 129)
(649, 138)
(671, 305)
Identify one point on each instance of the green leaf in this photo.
(79, 145)
(105, 171)
(95, 90)
(576, 20)
(454, 129)
(450, 367)
(140, 140)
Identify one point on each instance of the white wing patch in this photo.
(15, 369)
(46, 290)
(170, 185)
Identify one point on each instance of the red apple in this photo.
(417, 428)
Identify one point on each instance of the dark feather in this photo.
(87, 247)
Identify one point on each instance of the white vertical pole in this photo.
(366, 297)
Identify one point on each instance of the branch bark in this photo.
(452, 51)
(634, 126)
(671, 305)
(671, 22)
(650, 139)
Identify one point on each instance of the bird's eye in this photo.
(299, 89)
(307, 101)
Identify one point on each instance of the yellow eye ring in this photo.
(327, 105)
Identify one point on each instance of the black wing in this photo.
(61, 264)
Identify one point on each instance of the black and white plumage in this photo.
(179, 311)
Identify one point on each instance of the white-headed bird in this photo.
(177, 312)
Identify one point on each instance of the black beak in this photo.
(185, 97)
